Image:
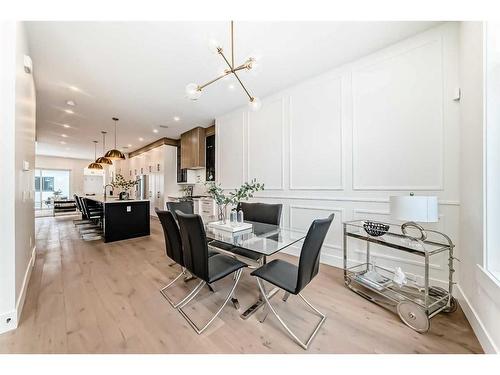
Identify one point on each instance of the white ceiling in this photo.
(137, 71)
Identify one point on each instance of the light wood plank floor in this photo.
(91, 297)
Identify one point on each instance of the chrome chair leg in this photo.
(265, 313)
(198, 330)
(304, 345)
(285, 296)
(191, 295)
(165, 295)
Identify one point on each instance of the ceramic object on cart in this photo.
(413, 316)
(375, 229)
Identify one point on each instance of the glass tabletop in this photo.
(265, 239)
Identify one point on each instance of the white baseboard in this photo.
(476, 324)
(24, 288)
(10, 319)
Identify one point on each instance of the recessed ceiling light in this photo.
(69, 111)
(129, 145)
(64, 136)
(70, 102)
(74, 88)
(66, 126)
(177, 118)
(230, 86)
(141, 139)
(155, 130)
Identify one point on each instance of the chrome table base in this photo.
(258, 304)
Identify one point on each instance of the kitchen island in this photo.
(124, 219)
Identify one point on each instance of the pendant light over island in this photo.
(115, 154)
(103, 160)
(95, 165)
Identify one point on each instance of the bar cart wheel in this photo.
(453, 306)
(413, 316)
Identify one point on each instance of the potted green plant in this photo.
(121, 183)
(244, 192)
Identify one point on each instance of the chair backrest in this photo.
(85, 207)
(309, 255)
(261, 212)
(173, 244)
(194, 244)
(185, 207)
(77, 203)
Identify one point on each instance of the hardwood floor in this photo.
(91, 297)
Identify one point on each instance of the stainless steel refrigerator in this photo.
(142, 187)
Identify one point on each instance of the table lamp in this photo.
(413, 209)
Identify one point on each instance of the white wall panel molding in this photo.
(316, 152)
(266, 144)
(343, 199)
(334, 237)
(398, 112)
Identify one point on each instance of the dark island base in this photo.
(124, 220)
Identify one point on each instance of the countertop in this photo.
(184, 197)
(113, 199)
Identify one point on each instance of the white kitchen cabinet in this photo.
(206, 208)
(159, 165)
(156, 193)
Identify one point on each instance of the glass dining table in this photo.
(262, 239)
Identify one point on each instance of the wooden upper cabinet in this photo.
(193, 149)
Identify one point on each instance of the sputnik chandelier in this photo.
(193, 90)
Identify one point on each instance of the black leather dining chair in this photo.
(78, 204)
(91, 229)
(173, 250)
(184, 206)
(261, 212)
(198, 263)
(293, 279)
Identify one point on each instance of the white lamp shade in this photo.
(415, 208)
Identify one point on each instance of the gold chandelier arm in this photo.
(236, 75)
(214, 80)
(232, 46)
(241, 67)
(242, 85)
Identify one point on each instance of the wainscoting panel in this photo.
(316, 136)
(265, 134)
(397, 113)
(301, 218)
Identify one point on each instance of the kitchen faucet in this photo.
(111, 191)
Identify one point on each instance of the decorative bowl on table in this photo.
(375, 229)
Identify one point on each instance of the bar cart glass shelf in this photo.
(415, 302)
